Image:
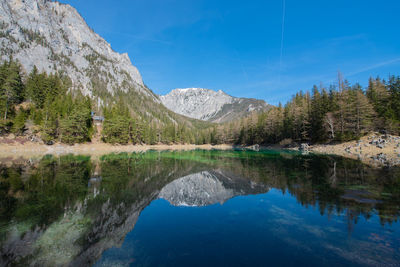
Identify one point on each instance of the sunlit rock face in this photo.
(209, 105)
(207, 188)
(54, 37)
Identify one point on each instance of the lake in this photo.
(198, 208)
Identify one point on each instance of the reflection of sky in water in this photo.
(87, 207)
(267, 229)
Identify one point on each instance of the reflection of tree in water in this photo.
(111, 192)
(334, 184)
(44, 190)
(107, 195)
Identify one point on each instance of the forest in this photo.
(40, 104)
(339, 113)
(44, 105)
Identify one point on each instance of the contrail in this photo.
(282, 38)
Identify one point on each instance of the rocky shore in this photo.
(379, 150)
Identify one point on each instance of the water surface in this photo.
(198, 208)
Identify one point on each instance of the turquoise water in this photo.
(199, 208)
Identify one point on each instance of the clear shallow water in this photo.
(199, 208)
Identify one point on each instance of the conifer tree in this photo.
(363, 112)
(19, 122)
(394, 91)
(35, 87)
(317, 116)
(12, 89)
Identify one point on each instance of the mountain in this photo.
(209, 105)
(54, 37)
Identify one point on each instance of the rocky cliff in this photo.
(54, 37)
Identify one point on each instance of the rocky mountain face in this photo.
(54, 37)
(209, 105)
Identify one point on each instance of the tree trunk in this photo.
(6, 111)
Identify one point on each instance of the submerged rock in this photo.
(304, 147)
(255, 147)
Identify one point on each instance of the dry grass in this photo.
(17, 149)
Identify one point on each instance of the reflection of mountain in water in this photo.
(207, 188)
(98, 202)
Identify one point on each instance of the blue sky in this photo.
(236, 45)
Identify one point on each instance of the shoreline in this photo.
(30, 149)
(374, 149)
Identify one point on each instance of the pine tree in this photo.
(394, 91)
(76, 126)
(116, 130)
(12, 89)
(317, 115)
(363, 112)
(379, 97)
(19, 122)
(35, 87)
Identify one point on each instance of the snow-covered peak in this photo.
(198, 103)
(209, 105)
(197, 91)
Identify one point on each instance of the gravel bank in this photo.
(375, 149)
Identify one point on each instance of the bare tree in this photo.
(330, 123)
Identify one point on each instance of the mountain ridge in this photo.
(55, 38)
(209, 105)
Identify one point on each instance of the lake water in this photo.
(198, 208)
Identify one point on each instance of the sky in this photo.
(266, 49)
